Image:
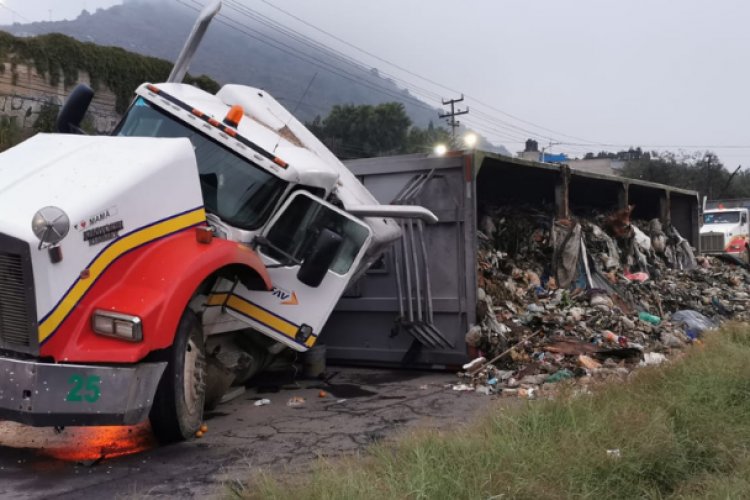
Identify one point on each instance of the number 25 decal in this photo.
(84, 388)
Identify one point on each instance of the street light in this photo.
(441, 149)
(470, 139)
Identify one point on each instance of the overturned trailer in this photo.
(416, 304)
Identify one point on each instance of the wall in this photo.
(24, 98)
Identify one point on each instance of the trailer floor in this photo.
(362, 406)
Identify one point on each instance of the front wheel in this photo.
(177, 412)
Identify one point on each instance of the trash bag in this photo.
(683, 254)
(609, 256)
(566, 253)
(658, 238)
(642, 240)
(694, 322)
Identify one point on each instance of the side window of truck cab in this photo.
(296, 232)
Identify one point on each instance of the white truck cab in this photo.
(726, 230)
(144, 273)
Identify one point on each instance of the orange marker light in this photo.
(234, 116)
(197, 113)
(204, 234)
(278, 161)
(153, 88)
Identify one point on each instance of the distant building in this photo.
(532, 153)
(603, 163)
(607, 166)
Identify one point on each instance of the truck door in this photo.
(306, 233)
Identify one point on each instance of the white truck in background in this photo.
(726, 228)
(144, 273)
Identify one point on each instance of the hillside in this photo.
(59, 60)
(37, 74)
(258, 56)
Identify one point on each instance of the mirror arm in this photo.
(262, 241)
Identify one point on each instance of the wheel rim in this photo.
(192, 375)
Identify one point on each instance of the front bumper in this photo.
(46, 394)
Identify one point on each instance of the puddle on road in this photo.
(384, 377)
(78, 444)
(346, 391)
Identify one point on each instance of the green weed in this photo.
(682, 431)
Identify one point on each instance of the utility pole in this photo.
(453, 114)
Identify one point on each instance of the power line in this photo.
(15, 12)
(281, 46)
(664, 146)
(420, 91)
(277, 27)
(318, 46)
(497, 127)
(405, 70)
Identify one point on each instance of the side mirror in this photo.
(75, 107)
(315, 267)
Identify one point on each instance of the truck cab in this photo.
(144, 273)
(726, 231)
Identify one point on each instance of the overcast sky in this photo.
(641, 72)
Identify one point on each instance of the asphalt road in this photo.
(361, 406)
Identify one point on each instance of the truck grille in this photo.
(712, 242)
(17, 302)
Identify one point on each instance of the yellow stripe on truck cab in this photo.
(258, 314)
(102, 261)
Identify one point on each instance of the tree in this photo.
(424, 140)
(364, 131)
(46, 120)
(10, 132)
(700, 171)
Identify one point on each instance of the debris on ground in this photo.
(588, 297)
(295, 401)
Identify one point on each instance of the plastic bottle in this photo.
(613, 338)
(649, 318)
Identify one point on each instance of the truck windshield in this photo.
(721, 218)
(234, 188)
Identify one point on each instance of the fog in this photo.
(588, 74)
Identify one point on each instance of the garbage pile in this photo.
(594, 296)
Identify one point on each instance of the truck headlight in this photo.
(50, 225)
(117, 325)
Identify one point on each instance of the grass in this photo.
(683, 431)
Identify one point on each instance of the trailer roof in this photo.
(390, 164)
(584, 173)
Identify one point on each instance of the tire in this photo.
(177, 412)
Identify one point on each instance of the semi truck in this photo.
(726, 228)
(145, 272)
